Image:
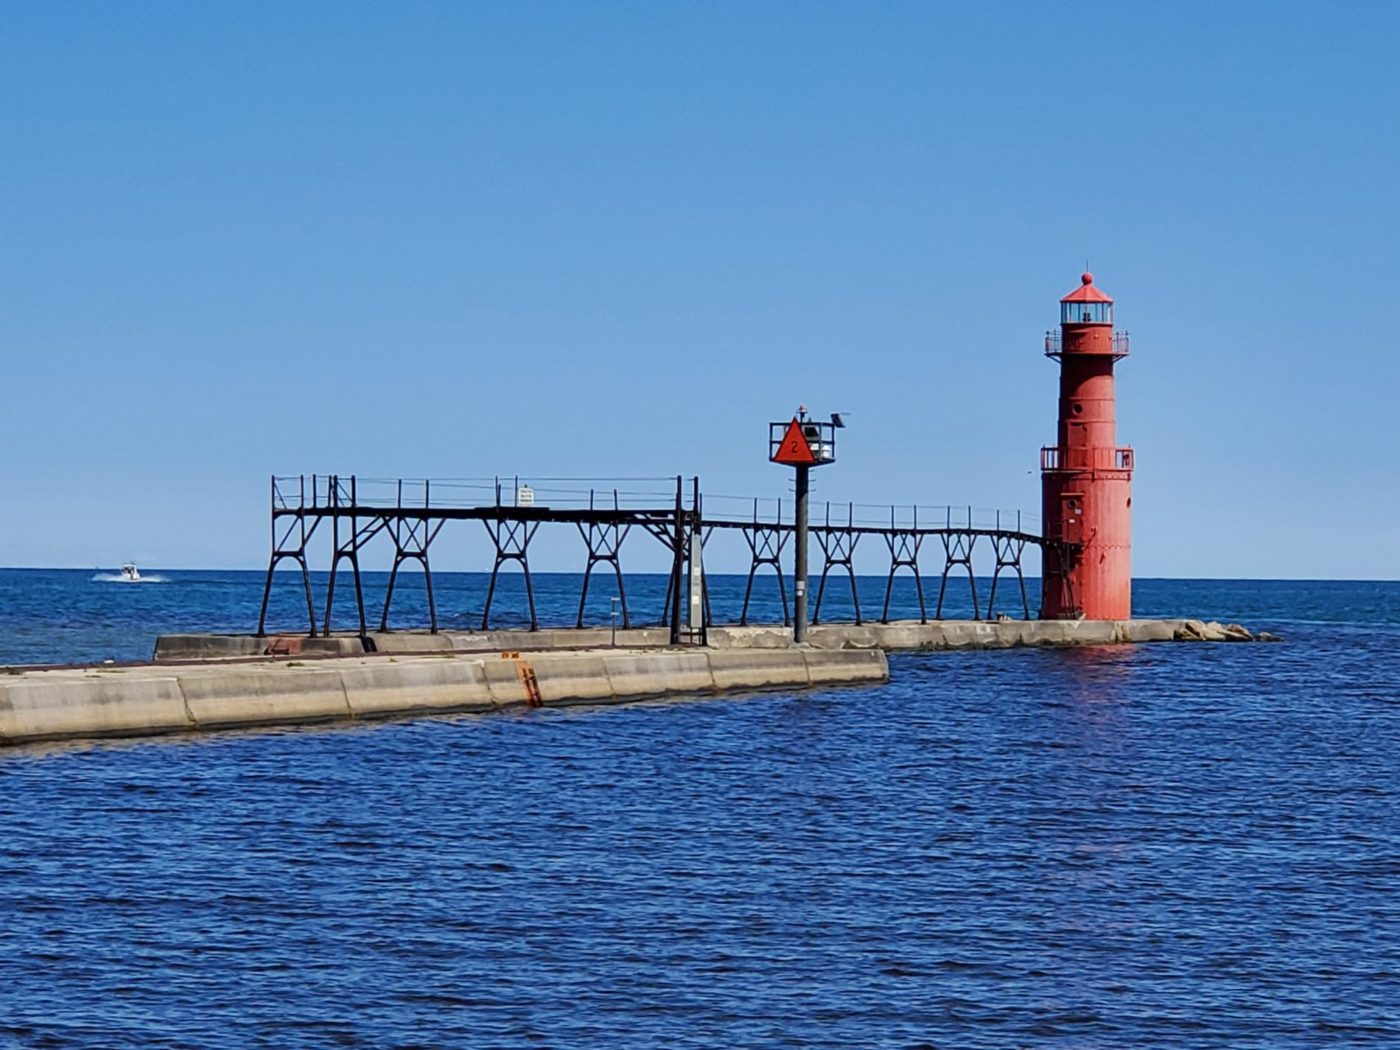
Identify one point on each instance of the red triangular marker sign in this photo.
(794, 451)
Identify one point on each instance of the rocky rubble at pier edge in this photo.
(1213, 631)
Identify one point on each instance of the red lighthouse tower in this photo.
(1086, 479)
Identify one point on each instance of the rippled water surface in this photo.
(1173, 845)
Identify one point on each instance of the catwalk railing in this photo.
(410, 514)
(1054, 344)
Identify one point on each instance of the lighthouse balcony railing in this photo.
(1076, 459)
(1054, 344)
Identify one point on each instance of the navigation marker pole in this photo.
(802, 443)
(799, 584)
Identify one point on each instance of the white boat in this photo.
(130, 572)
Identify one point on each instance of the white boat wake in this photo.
(116, 577)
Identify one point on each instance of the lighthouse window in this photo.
(1086, 313)
(1078, 408)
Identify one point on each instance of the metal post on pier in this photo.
(678, 540)
(802, 443)
(799, 583)
(695, 547)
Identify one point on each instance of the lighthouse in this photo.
(1086, 477)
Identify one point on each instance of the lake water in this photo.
(1154, 846)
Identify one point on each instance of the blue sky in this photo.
(617, 239)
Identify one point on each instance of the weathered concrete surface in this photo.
(227, 646)
(891, 637)
(391, 687)
(1003, 634)
(734, 667)
(250, 694)
(911, 635)
(49, 704)
(151, 699)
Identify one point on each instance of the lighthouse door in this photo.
(1072, 516)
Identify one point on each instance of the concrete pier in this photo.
(210, 681)
(89, 702)
(898, 636)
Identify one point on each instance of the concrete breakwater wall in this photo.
(1006, 634)
(210, 681)
(87, 702)
(908, 635)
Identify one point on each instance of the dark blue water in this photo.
(1155, 846)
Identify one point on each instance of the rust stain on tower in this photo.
(1086, 477)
